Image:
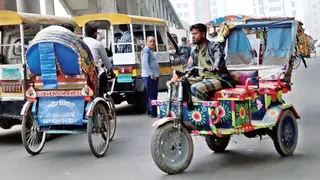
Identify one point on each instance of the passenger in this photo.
(98, 52)
(125, 38)
(186, 49)
(208, 55)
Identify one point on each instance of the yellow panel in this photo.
(14, 18)
(9, 18)
(115, 19)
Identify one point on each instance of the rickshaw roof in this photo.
(250, 22)
(14, 18)
(116, 19)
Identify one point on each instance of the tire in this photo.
(162, 141)
(112, 116)
(95, 127)
(286, 134)
(217, 144)
(39, 138)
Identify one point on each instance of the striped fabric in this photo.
(201, 90)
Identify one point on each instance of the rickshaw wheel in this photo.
(286, 134)
(169, 154)
(217, 144)
(112, 116)
(32, 140)
(99, 126)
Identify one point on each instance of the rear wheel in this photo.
(112, 116)
(286, 134)
(172, 151)
(217, 144)
(99, 130)
(32, 140)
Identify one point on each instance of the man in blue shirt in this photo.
(150, 73)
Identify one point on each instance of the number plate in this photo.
(124, 79)
(11, 73)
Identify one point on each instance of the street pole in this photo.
(21, 6)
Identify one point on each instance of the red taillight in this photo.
(11, 88)
(31, 93)
(125, 69)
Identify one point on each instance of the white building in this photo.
(218, 8)
(280, 8)
(185, 10)
(312, 18)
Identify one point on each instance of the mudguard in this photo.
(162, 121)
(90, 105)
(25, 108)
(274, 113)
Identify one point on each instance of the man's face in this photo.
(151, 42)
(197, 36)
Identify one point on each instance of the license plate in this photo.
(124, 79)
(11, 73)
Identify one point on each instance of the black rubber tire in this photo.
(90, 124)
(277, 133)
(113, 131)
(217, 144)
(24, 135)
(158, 157)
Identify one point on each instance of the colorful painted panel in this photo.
(272, 115)
(200, 117)
(242, 113)
(258, 108)
(225, 115)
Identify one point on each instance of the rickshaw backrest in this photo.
(241, 76)
(55, 54)
(279, 46)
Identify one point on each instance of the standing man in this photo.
(98, 52)
(150, 73)
(209, 55)
(186, 49)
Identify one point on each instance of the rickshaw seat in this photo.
(247, 85)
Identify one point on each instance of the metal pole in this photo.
(21, 6)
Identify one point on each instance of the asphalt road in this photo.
(128, 157)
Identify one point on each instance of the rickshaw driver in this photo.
(208, 55)
(98, 52)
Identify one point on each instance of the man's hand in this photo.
(153, 77)
(210, 69)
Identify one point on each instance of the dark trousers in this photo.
(103, 84)
(152, 89)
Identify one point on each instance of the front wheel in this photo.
(32, 140)
(217, 144)
(296, 63)
(99, 130)
(286, 134)
(172, 151)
